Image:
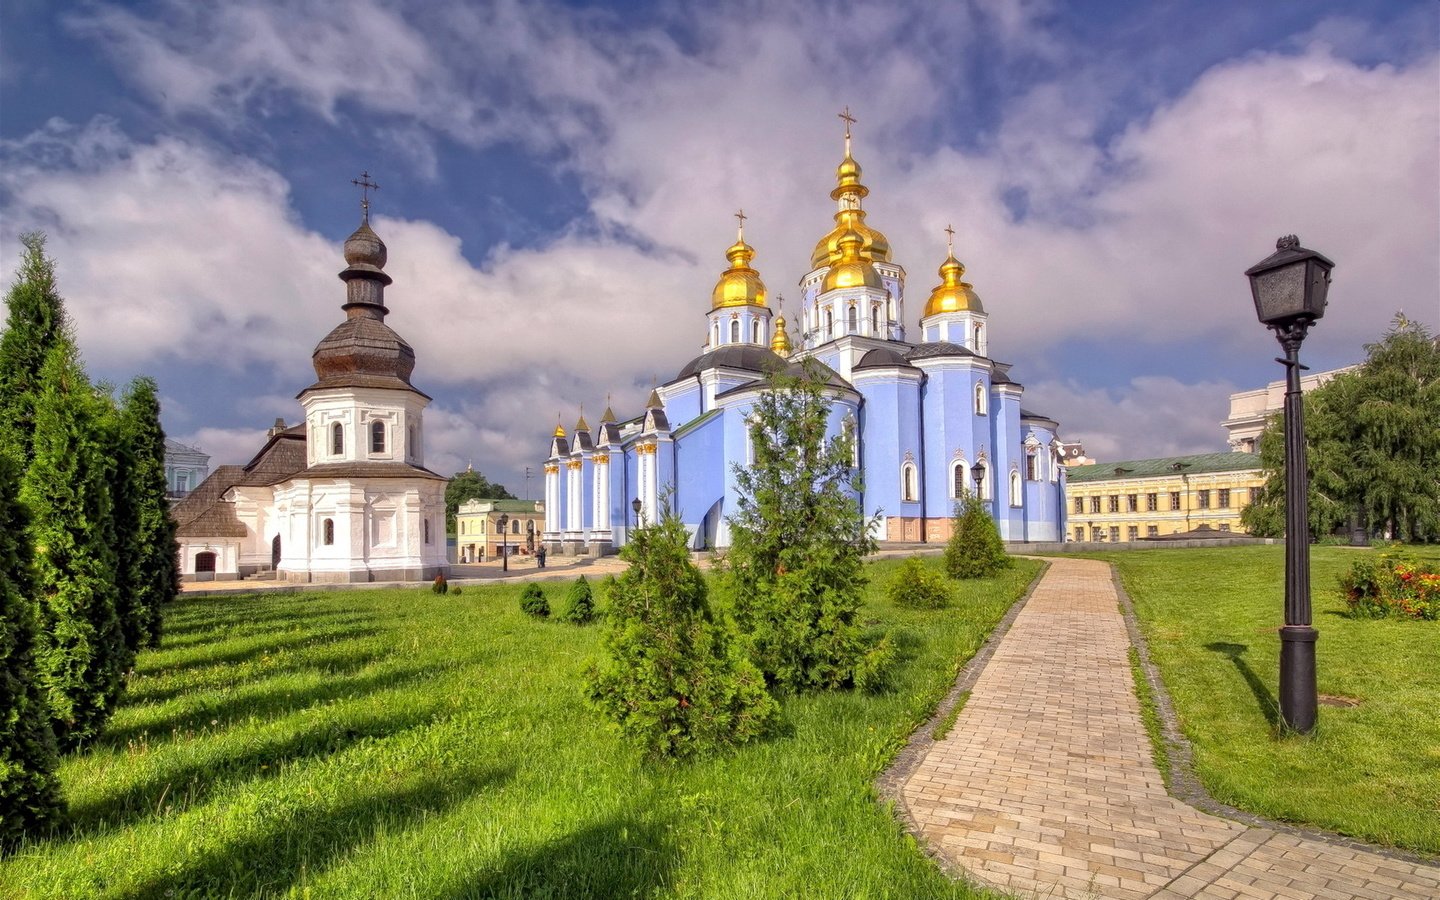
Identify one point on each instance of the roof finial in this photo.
(780, 304)
(950, 239)
(366, 186)
(740, 232)
(849, 120)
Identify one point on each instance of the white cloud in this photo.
(1160, 414)
(226, 446)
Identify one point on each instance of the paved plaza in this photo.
(1046, 787)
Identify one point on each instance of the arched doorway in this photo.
(275, 553)
(205, 566)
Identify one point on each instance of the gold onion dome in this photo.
(952, 294)
(780, 340)
(739, 285)
(852, 269)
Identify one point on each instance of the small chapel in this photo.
(344, 495)
(931, 418)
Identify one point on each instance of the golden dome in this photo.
(739, 285)
(952, 294)
(852, 269)
(780, 340)
(559, 429)
(874, 244)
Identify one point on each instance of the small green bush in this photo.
(975, 549)
(581, 608)
(455, 590)
(917, 586)
(438, 585)
(1391, 585)
(533, 602)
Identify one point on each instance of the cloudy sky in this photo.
(558, 180)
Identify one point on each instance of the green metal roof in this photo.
(1200, 463)
(499, 506)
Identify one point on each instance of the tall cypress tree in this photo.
(147, 573)
(81, 656)
(29, 790)
(35, 321)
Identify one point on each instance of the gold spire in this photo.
(852, 269)
(654, 401)
(780, 338)
(608, 416)
(952, 294)
(849, 191)
(739, 285)
(581, 425)
(559, 429)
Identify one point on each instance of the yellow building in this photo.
(1149, 498)
(477, 528)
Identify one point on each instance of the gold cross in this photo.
(742, 217)
(849, 120)
(950, 239)
(366, 186)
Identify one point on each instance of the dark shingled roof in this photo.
(883, 358)
(797, 369)
(281, 457)
(750, 357)
(1040, 417)
(607, 433)
(202, 514)
(369, 470)
(1197, 464)
(938, 348)
(363, 351)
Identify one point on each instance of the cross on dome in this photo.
(950, 239)
(366, 186)
(740, 215)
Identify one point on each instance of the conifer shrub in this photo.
(439, 585)
(581, 604)
(674, 681)
(917, 586)
(149, 575)
(455, 590)
(975, 549)
(533, 602)
(30, 799)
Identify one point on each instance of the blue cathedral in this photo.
(930, 419)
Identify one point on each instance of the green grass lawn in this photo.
(402, 744)
(1372, 770)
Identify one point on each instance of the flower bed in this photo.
(1392, 585)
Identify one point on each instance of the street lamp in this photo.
(504, 543)
(1289, 288)
(977, 472)
(635, 507)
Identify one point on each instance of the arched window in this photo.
(852, 320)
(327, 532)
(875, 319)
(514, 526)
(829, 323)
(907, 482)
(755, 332)
(715, 334)
(980, 405)
(1055, 466)
(852, 440)
(734, 331)
(337, 440)
(377, 437)
(205, 562)
(980, 339)
(425, 527)
(1017, 489)
(890, 309)
(410, 432)
(958, 485)
(982, 486)
(1032, 464)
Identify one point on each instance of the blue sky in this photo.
(557, 183)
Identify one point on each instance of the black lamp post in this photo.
(977, 472)
(635, 507)
(1289, 288)
(504, 543)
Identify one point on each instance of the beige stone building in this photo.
(1153, 498)
(478, 536)
(1250, 410)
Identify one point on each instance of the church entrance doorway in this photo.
(275, 553)
(205, 566)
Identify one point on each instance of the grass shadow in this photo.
(1268, 705)
(271, 860)
(623, 858)
(261, 648)
(263, 704)
(341, 660)
(187, 785)
(215, 631)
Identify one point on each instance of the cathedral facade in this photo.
(932, 418)
(343, 496)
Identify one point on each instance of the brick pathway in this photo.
(1045, 786)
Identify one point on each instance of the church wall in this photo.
(889, 424)
(684, 401)
(227, 555)
(1006, 426)
(701, 489)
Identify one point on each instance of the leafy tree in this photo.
(1372, 443)
(581, 608)
(147, 574)
(470, 485)
(975, 549)
(29, 789)
(35, 322)
(674, 681)
(798, 540)
(81, 655)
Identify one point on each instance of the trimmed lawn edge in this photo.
(889, 786)
(1174, 758)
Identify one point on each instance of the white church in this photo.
(344, 496)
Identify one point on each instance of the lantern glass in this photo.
(1280, 293)
(1290, 284)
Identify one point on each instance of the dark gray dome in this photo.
(883, 358)
(936, 349)
(749, 357)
